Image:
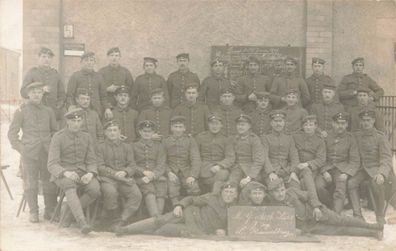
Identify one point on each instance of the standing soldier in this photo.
(115, 75)
(116, 168)
(196, 113)
(342, 163)
(178, 80)
(125, 116)
(89, 79)
(183, 161)
(376, 165)
(37, 123)
(261, 122)
(146, 83)
(228, 111)
(54, 90)
(251, 83)
(209, 91)
(317, 80)
(150, 160)
(289, 80)
(217, 155)
(347, 90)
(72, 164)
(294, 112)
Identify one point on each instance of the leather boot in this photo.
(34, 217)
(137, 227)
(338, 205)
(355, 202)
(84, 226)
(151, 204)
(50, 201)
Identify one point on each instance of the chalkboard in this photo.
(269, 222)
(268, 56)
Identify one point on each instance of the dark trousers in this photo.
(213, 183)
(175, 187)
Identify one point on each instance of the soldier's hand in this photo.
(46, 88)
(190, 181)
(122, 137)
(245, 181)
(252, 97)
(220, 232)
(379, 179)
(293, 176)
(72, 175)
(149, 174)
(146, 180)
(112, 88)
(323, 134)
(156, 136)
(302, 166)
(86, 178)
(173, 177)
(178, 211)
(317, 214)
(215, 168)
(108, 114)
(273, 176)
(343, 177)
(327, 177)
(120, 174)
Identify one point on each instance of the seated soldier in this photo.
(282, 152)
(150, 161)
(294, 112)
(376, 165)
(250, 155)
(192, 216)
(183, 161)
(342, 163)
(125, 116)
(253, 194)
(228, 111)
(320, 219)
(217, 155)
(72, 164)
(159, 112)
(116, 167)
(261, 122)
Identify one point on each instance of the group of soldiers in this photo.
(137, 145)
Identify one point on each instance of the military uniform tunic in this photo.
(228, 115)
(196, 117)
(209, 91)
(355, 119)
(160, 116)
(249, 84)
(294, 117)
(127, 119)
(177, 82)
(315, 85)
(261, 122)
(141, 91)
(325, 113)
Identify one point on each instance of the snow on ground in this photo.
(18, 234)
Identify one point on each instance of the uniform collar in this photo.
(72, 134)
(146, 142)
(368, 132)
(116, 143)
(125, 109)
(87, 72)
(273, 132)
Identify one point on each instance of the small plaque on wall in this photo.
(74, 50)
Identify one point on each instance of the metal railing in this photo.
(387, 106)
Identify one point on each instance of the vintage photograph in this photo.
(197, 125)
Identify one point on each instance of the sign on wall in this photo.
(73, 49)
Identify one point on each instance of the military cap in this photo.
(274, 184)
(363, 89)
(150, 59)
(88, 54)
(74, 113)
(329, 86)
(122, 89)
(251, 59)
(261, 95)
(146, 124)
(341, 116)
(157, 91)
(356, 60)
(216, 61)
(191, 85)
(112, 50)
(229, 185)
(292, 90)
(367, 113)
(45, 50)
(318, 61)
(83, 91)
(183, 55)
(254, 185)
(277, 114)
(178, 119)
(110, 123)
(311, 117)
(225, 90)
(291, 59)
(214, 116)
(34, 85)
(243, 118)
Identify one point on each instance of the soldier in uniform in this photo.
(342, 163)
(376, 165)
(251, 83)
(196, 113)
(289, 80)
(145, 83)
(347, 90)
(116, 167)
(326, 110)
(183, 161)
(364, 103)
(250, 156)
(115, 75)
(253, 194)
(125, 116)
(54, 90)
(150, 160)
(317, 80)
(209, 91)
(217, 155)
(159, 113)
(294, 112)
(37, 123)
(73, 166)
(91, 80)
(228, 111)
(193, 216)
(178, 80)
(261, 123)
